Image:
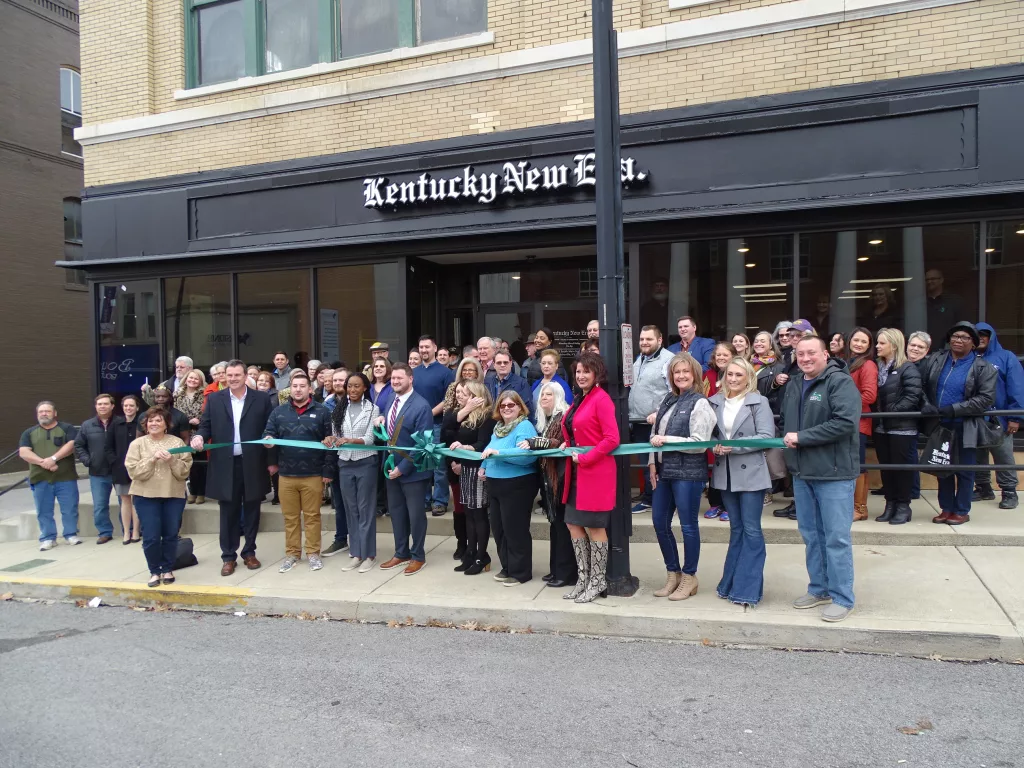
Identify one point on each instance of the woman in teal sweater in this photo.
(512, 484)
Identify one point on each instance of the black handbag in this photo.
(990, 432)
(940, 450)
(184, 557)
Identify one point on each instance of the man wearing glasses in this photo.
(504, 378)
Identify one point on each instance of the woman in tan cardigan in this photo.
(158, 488)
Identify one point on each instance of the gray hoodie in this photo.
(650, 385)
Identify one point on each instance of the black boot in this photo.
(983, 493)
(886, 516)
(900, 515)
(1009, 500)
(459, 522)
(785, 511)
(478, 566)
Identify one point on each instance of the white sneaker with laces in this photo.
(288, 564)
(72, 540)
(315, 563)
(47, 545)
(367, 565)
(352, 564)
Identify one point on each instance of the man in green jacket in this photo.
(820, 416)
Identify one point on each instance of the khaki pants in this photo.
(300, 498)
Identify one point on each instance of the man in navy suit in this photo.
(404, 414)
(237, 477)
(699, 347)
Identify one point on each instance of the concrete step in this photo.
(989, 526)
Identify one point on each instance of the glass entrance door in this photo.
(510, 322)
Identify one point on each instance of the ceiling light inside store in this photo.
(744, 248)
(761, 301)
(760, 295)
(990, 250)
(875, 241)
(1020, 231)
(854, 296)
(515, 277)
(750, 265)
(763, 285)
(884, 280)
(857, 290)
(862, 258)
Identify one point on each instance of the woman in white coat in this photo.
(741, 474)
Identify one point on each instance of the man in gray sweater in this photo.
(650, 385)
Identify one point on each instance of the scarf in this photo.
(762, 362)
(504, 430)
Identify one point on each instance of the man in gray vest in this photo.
(650, 385)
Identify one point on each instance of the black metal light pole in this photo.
(611, 297)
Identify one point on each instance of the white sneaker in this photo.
(72, 540)
(47, 545)
(352, 564)
(367, 565)
(288, 564)
(315, 563)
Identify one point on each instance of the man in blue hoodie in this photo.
(1009, 396)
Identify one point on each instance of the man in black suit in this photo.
(237, 477)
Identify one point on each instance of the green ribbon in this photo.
(427, 455)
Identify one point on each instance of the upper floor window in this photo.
(73, 239)
(231, 39)
(70, 110)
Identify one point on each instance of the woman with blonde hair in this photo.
(470, 429)
(714, 381)
(678, 477)
(189, 400)
(741, 475)
(900, 388)
(551, 407)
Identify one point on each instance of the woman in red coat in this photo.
(590, 478)
(861, 346)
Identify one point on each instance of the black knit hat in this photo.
(963, 325)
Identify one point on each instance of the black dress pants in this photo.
(233, 524)
(896, 449)
(478, 533)
(510, 505)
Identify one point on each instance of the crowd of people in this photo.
(810, 390)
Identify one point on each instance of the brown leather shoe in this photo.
(414, 567)
(942, 517)
(104, 539)
(228, 568)
(958, 519)
(394, 562)
(252, 563)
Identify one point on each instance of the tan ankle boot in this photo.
(687, 588)
(671, 582)
(860, 499)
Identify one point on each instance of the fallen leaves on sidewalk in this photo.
(7, 596)
(922, 725)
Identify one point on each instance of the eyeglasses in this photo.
(960, 337)
(503, 362)
(508, 407)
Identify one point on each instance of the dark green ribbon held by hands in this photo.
(427, 455)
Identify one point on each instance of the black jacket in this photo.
(124, 432)
(452, 430)
(94, 446)
(218, 426)
(827, 422)
(901, 392)
(979, 394)
(313, 424)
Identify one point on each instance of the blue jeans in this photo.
(824, 519)
(340, 520)
(160, 519)
(439, 494)
(955, 491)
(743, 575)
(682, 495)
(101, 488)
(66, 494)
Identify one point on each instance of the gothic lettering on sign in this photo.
(518, 179)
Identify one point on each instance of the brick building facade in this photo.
(46, 344)
(820, 148)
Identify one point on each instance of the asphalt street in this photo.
(114, 687)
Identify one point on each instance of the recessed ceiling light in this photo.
(761, 301)
(884, 280)
(759, 295)
(876, 241)
(1021, 230)
(743, 249)
(515, 277)
(765, 285)
(750, 264)
(990, 250)
(862, 258)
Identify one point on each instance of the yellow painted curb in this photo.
(207, 596)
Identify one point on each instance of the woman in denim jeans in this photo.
(741, 474)
(678, 477)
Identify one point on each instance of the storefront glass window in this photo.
(292, 40)
(221, 31)
(1004, 307)
(736, 285)
(356, 308)
(913, 278)
(129, 335)
(273, 314)
(197, 319)
(368, 27)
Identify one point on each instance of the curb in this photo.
(601, 619)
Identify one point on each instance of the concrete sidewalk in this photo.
(936, 601)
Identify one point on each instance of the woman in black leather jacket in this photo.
(899, 390)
